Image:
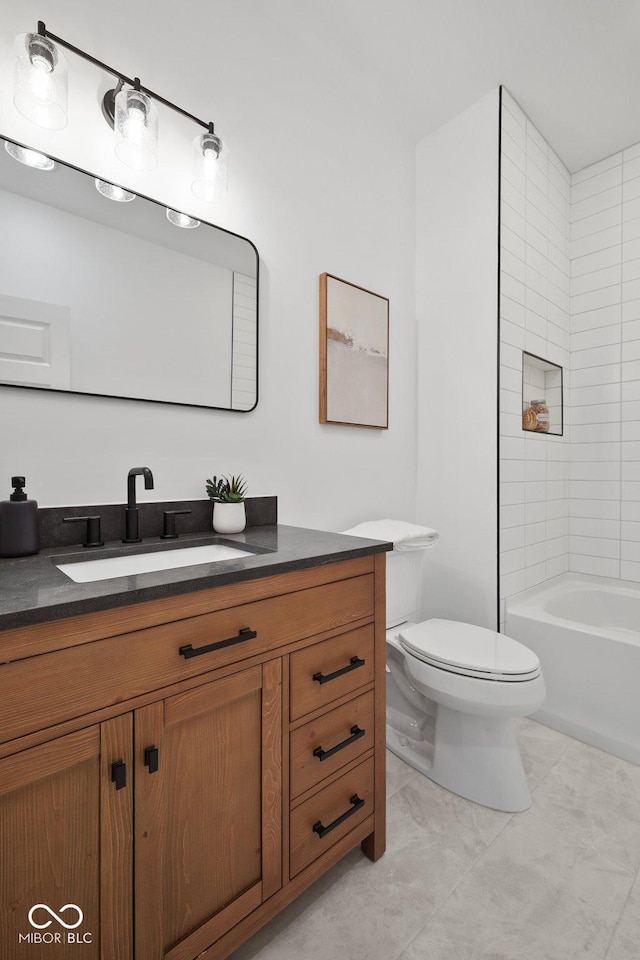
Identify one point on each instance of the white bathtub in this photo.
(586, 632)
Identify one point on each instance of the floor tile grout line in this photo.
(617, 923)
(587, 846)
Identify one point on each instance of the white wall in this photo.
(312, 184)
(534, 316)
(605, 358)
(456, 263)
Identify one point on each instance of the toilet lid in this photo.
(465, 648)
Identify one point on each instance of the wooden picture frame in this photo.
(354, 355)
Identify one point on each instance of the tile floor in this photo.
(461, 882)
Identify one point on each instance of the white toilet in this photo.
(453, 691)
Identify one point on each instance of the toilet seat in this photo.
(469, 650)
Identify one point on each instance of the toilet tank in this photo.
(403, 585)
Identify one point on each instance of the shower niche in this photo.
(542, 395)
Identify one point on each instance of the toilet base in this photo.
(474, 757)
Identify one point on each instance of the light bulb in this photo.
(112, 192)
(31, 158)
(182, 219)
(209, 167)
(136, 129)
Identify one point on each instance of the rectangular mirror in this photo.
(112, 299)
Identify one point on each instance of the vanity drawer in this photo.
(45, 690)
(333, 812)
(331, 669)
(337, 738)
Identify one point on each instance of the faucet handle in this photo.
(169, 524)
(93, 530)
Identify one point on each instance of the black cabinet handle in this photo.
(151, 758)
(188, 651)
(119, 774)
(356, 733)
(356, 803)
(353, 664)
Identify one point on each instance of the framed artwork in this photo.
(354, 354)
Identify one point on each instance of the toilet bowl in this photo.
(454, 689)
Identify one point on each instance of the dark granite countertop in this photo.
(33, 590)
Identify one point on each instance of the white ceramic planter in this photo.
(229, 517)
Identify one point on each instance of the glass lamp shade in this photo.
(112, 192)
(182, 219)
(136, 129)
(210, 168)
(40, 81)
(31, 158)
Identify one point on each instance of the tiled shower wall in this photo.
(570, 293)
(534, 316)
(605, 356)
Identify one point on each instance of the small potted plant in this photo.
(228, 495)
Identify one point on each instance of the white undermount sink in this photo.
(88, 571)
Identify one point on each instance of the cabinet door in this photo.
(208, 811)
(66, 847)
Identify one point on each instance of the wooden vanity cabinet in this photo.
(181, 799)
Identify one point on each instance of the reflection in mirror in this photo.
(116, 299)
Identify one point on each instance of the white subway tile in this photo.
(630, 571)
(511, 242)
(603, 317)
(557, 528)
(630, 490)
(602, 393)
(512, 150)
(597, 280)
(536, 553)
(512, 265)
(535, 575)
(557, 489)
(557, 566)
(536, 446)
(630, 530)
(630, 450)
(631, 230)
(512, 583)
(592, 471)
(597, 184)
(510, 379)
(591, 242)
(539, 198)
(630, 551)
(630, 290)
(596, 223)
(631, 168)
(595, 300)
(511, 173)
(592, 527)
(535, 514)
(630, 471)
(630, 311)
(595, 451)
(510, 219)
(511, 197)
(512, 538)
(599, 260)
(598, 337)
(557, 218)
(537, 152)
(535, 491)
(514, 288)
(630, 190)
(630, 353)
(556, 163)
(510, 357)
(594, 489)
(512, 126)
(594, 566)
(630, 511)
(556, 509)
(512, 516)
(631, 269)
(511, 311)
(596, 509)
(630, 410)
(631, 330)
(595, 356)
(511, 402)
(537, 178)
(595, 547)
(596, 204)
(631, 390)
(615, 160)
(556, 547)
(631, 370)
(512, 560)
(592, 417)
(591, 376)
(630, 249)
(630, 431)
(513, 472)
(512, 448)
(512, 333)
(535, 217)
(630, 153)
(535, 470)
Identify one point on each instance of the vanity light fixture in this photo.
(182, 219)
(40, 81)
(113, 192)
(29, 157)
(130, 108)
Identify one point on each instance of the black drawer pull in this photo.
(353, 664)
(151, 759)
(357, 804)
(188, 651)
(119, 774)
(356, 733)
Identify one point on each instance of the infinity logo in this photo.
(67, 906)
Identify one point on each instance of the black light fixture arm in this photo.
(122, 78)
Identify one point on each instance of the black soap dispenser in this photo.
(19, 533)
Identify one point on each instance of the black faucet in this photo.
(131, 513)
